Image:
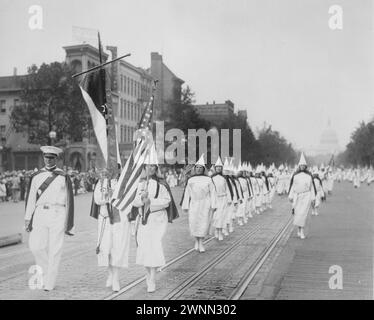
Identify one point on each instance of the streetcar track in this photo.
(256, 266)
(177, 292)
(141, 279)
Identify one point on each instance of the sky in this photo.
(278, 59)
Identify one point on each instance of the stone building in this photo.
(131, 88)
(215, 112)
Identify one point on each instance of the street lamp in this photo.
(52, 135)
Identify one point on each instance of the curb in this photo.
(10, 240)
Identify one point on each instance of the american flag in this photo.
(125, 190)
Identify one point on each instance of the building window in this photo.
(132, 111)
(124, 83)
(15, 102)
(2, 129)
(128, 85)
(2, 106)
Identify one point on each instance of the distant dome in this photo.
(329, 143)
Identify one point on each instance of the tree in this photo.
(275, 148)
(181, 113)
(360, 149)
(249, 145)
(51, 97)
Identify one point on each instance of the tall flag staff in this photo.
(125, 190)
(98, 99)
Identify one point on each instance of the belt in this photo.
(49, 206)
(302, 192)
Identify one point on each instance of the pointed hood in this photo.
(219, 162)
(226, 166)
(302, 161)
(201, 161)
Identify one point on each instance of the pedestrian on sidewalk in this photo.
(302, 194)
(2, 190)
(153, 208)
(113, 242)
(199, 203)
(49, 215)
(76, 182)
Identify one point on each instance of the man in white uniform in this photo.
(302, 194)
(49, 215)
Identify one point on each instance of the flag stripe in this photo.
(99, 124)
(125, 191)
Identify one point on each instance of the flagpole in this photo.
(100, 65)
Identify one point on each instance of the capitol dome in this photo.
(329, 143)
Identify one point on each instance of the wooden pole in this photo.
(100, 66)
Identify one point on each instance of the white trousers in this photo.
(46, 241)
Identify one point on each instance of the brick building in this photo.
(169, 86)
(131, 88)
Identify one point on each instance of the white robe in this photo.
(301, 194)
(254, 193)
(223, 199)
(272, 188)
(232, 208)
(259, 192)
(356, 180)
(115, 238)
(150, 252)
(320, 193)
(199, 200)
(241, 184)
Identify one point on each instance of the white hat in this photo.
(281, 167)
(201, 161)
(151, 158)
(249, 167)
(218, 162)
(51, 149)
(258, 169)
(236, 169)
(226, 166)
(302, 161)
(240, 167)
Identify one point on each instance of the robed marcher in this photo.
(223, 199)
(302, 194)
(153, 208)
(113, 242)
(199, 202)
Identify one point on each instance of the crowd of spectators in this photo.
(14, 184)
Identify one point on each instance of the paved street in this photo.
(342, 235)
(296, 269)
